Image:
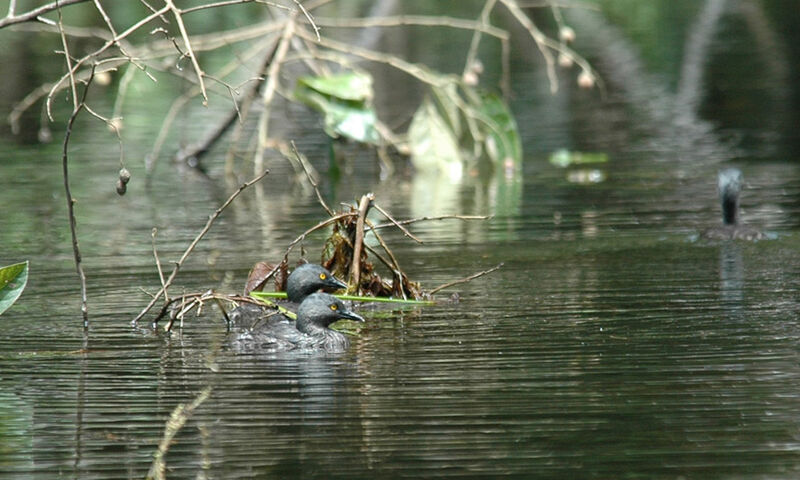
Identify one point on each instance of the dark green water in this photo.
(610, 345)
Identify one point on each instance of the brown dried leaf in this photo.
(258, 276)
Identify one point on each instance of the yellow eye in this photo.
(322, 276)
(334, 307)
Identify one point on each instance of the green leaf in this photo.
(433, 144)
(13, 279)
(353, 86)
(502, 141)
(565, 158)
(344, 100)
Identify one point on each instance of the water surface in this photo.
(609, 345)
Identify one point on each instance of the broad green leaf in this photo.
(502, 141)
(353, 86)
(565, 158)
(13, 279)
(344, 101)
(433, 144)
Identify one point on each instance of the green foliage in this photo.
(433, 143)
(459, 126)
(345, 101)
(13, 279)
(565, 158)
(503, 143)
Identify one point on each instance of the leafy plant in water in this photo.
(458, 126)
(345, 101)
(13, 279)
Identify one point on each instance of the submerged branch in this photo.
(174, 424)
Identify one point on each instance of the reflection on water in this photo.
(731, 275)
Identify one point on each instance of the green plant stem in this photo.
(356, 298)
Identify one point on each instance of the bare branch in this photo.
(189, 51)
(465, 280)
(308, 17)
(34, 14)
(197, 239)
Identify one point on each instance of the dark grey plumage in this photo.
(309, 333)
(302, 282)
(729, 185)
(309, 278)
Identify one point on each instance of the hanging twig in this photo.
(78, 105)
(197, 239)
(302, 160)
(465, 280)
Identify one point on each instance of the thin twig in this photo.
(201, 297)
(425, 219)
(158, 264)
(399, 276)
(472, 53)
(308, 17)
(538, 37)
(421, 20)
(34, 14)
(318, 226)
(302, 160)
(396, 223)
(197, 239)
(417, 71)
(465, 280)
(189, 50)
(133, 28)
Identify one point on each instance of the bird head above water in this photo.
(309, 278)
(319, 310)
(729, 185)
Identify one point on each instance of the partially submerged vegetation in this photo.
(283, 51)
(346, 254)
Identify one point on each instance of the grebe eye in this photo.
(334, 307)
(322, 276)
